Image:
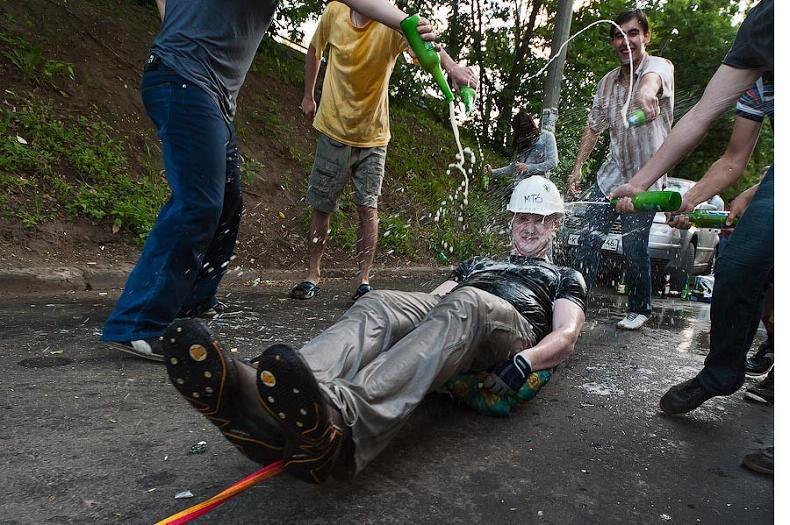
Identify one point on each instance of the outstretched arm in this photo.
(729, 167)
(459, 75)
(557, 346)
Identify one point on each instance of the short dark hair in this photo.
(625, 16)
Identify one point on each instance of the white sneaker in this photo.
(632, 321)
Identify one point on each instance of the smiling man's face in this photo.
(532, 233)
(637, 40)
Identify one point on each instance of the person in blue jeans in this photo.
(196, 67)
(745, 267)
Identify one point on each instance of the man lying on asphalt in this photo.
(334, 405)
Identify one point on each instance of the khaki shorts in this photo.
(334, 164)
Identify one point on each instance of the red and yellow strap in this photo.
(185, 516)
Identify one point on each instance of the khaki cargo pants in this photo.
(381, 358)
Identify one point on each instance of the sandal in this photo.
(304, 290)
(362, 290)
(208, 379)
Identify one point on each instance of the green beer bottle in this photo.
(468, 96)
(426, 54)
(710, 219)
(637, 118)
(655, 201)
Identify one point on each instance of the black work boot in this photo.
(684, 397)
(762, 360)
(313, 428)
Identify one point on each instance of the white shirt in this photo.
(631, 148)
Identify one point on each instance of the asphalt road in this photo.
(88, 434)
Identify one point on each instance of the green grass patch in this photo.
(76, 164)
(31, 63)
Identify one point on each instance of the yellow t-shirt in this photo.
(354, 107)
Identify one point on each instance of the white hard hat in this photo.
(537, 195)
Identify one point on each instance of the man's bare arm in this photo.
(729, 167)
(311, 66)
(459, 75)
(557, 346)
(647, 95)
(160, 4)
(589, 139)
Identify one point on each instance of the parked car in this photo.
(678, 253)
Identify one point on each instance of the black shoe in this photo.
(762, 393)
(313, 431)
(762, 360)
(761, 461)
(684, 397)
(206, 377)
(150, 349)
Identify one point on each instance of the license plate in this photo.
(612, 242)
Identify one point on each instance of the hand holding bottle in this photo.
(740, 203)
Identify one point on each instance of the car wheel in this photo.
(684, 269)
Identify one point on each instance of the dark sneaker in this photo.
(150, 349)
(761, 461)
(762, 361)
(313, 430)
(684, 397)
(762, 393)
(209, 380)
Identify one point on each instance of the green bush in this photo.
(99, 186)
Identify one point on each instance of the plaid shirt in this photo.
(631, 148)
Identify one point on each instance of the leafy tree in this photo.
(509, 41)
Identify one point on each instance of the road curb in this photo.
(76, 278)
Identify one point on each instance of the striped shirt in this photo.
(757, 102)
(631, 148)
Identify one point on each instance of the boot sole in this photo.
(199, 370)
(288, 390)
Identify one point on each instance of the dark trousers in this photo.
(189, 248)
(598, 220)
(742, 274)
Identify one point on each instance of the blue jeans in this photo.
(742, 274)
(598, 221)
(189, 248)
